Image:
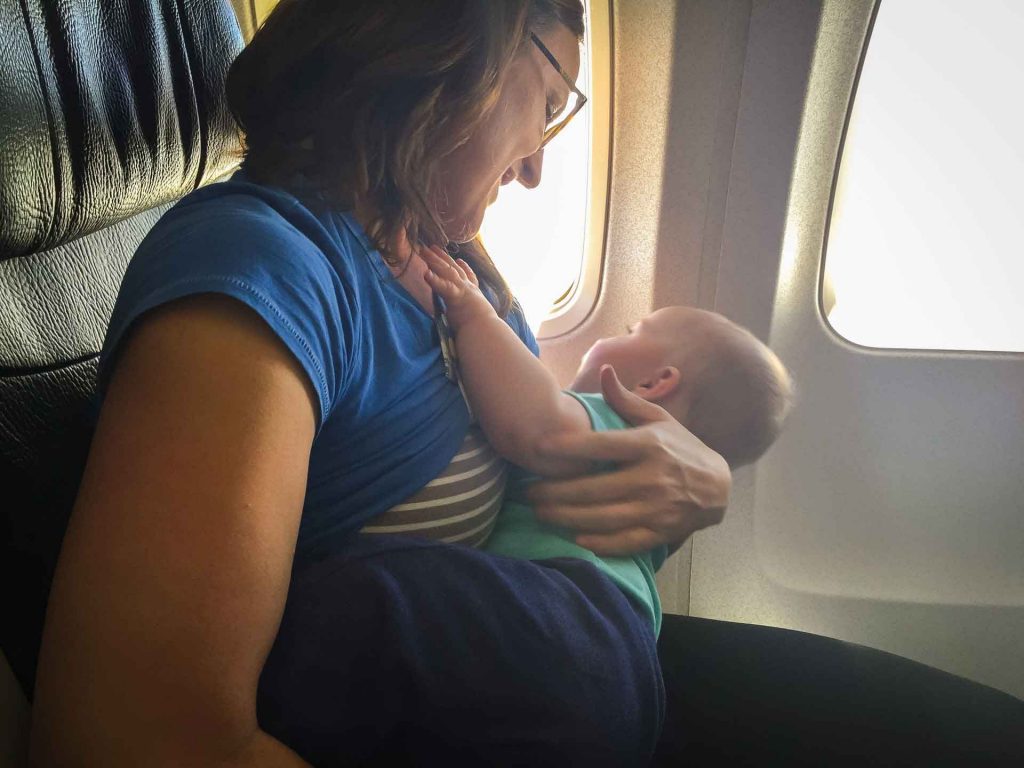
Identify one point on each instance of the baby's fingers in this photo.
(437, 282)
(469, 273)
(434, 260)
(446, 289)
(443, 264)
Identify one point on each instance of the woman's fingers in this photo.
(597, 518)
(631, 407)
(619, 485)
(622, 447)
(624, 542)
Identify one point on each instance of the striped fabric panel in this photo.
(458, 506)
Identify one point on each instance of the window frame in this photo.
(575, 306)
(826, 293)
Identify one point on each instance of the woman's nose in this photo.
(530, 169)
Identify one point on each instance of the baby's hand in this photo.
(457, 284)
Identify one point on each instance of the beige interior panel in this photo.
(889, 513)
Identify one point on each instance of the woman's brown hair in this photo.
(364, 98)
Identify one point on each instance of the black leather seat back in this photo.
(109, 110)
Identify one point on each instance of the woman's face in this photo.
(505, 147)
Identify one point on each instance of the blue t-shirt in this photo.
(389, 420)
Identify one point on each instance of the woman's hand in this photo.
(668, 484)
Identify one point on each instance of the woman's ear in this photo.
(663, 384)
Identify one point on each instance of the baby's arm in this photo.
(516, 399)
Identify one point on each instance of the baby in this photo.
(712, 376)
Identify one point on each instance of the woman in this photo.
(272, 383)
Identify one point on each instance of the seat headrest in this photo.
(108, 108)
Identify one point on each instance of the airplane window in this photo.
(262, 9)
(926, 245)
(537, 237)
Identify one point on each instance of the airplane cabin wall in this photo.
(728, 120)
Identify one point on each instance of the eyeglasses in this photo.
(576, 97)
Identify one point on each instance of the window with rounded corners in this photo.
(548, 241)
(926, 241)
(261, 9)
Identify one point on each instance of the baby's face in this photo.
(659, 340)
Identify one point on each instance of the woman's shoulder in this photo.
(517, 321)
(248, 212)
(264, 247)
(260, 235)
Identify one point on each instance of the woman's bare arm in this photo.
(175, 566)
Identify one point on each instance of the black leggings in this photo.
(739, 694)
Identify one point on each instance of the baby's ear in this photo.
(662, 384)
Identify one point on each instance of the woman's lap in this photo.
(404, 648)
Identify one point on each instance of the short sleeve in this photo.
(517, 321)
(260, 253)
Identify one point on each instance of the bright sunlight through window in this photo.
(926, 247)
(536, 236)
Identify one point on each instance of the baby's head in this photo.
(716, 378)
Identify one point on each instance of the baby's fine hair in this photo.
(741, 398)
